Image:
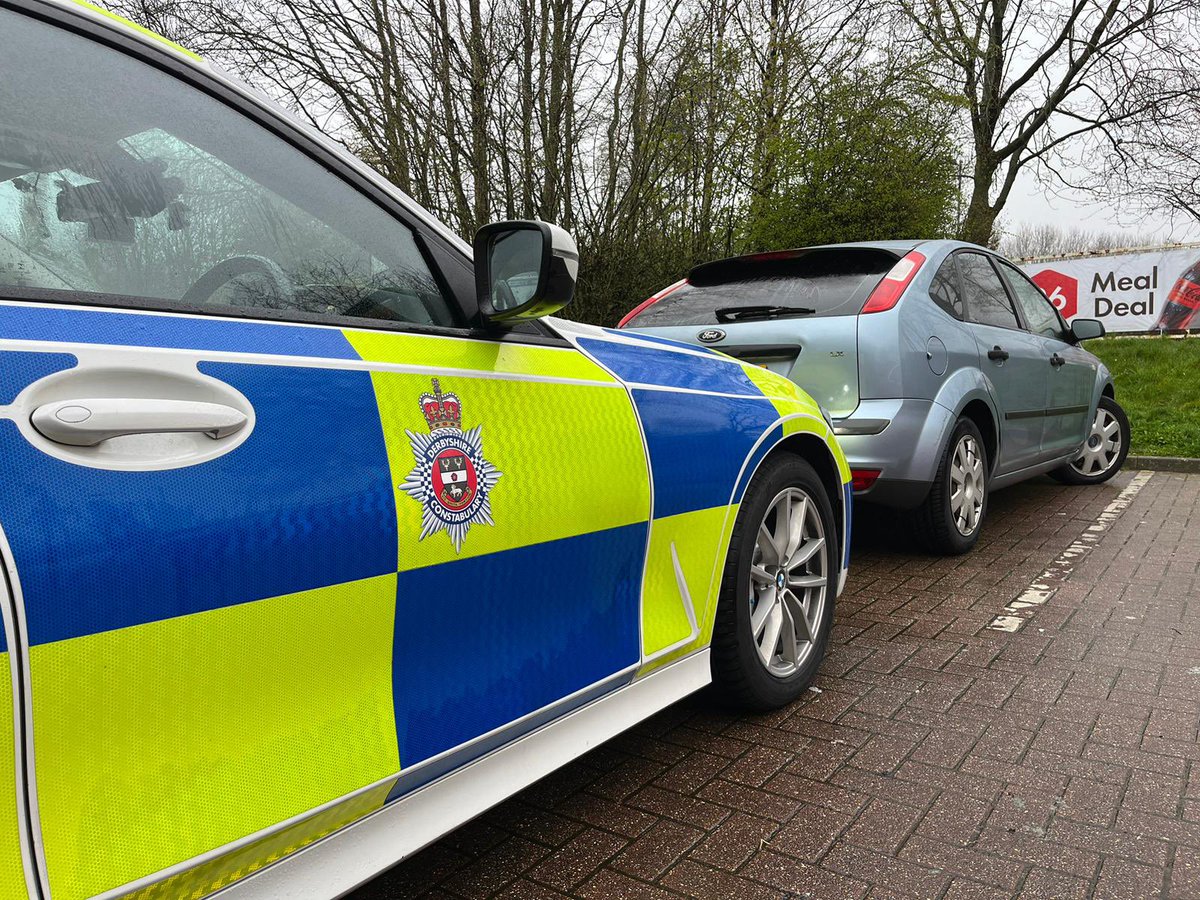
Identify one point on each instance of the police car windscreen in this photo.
(819, 282)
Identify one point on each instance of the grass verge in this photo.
(1158, 383)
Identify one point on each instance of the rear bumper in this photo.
(895, 493)
(905, 448)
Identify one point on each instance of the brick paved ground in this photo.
(939, 759)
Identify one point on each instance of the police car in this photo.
(319, 539)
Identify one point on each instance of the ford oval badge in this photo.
(711, 335)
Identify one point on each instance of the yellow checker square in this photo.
(163, 741)
(699, 540)
(494, 357)
(777, 387)
(552, 449)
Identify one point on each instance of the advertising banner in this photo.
(1138, 291)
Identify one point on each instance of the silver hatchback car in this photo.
(945, 371)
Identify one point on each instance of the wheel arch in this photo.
(981, 414)
(815, 451)
(967, 392)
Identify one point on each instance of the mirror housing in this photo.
(524, 270)
(1086, 329)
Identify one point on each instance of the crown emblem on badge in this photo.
(441, 410)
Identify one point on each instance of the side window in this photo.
(116, 178)
(987, 300)
(1041, 316)
(944, 289)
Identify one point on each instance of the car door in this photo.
(287, 538)
(1071, 375)
(1011, 358)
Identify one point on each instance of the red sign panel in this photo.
(1063, 291)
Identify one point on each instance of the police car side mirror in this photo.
(524, 270)
(1086, 329)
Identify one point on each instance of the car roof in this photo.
(899, 247)
(98, 13)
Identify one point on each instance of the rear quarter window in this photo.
(944, 289)
(834, 282)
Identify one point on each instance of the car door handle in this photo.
(998, 353)
(1057, 361)
(88, 422)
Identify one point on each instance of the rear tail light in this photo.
(888, 291)
(861, 479)
(650, 301)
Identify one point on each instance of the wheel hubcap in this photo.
(1103, 445)
(788, 582)
(968, 485)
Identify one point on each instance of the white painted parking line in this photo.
(1017, 613)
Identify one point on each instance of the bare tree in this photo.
(654, 129)
(1052, 240)
(1037, 78)
(793, 47)
(1155, 164)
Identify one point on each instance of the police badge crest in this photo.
(452, 479)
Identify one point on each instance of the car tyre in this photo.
(950, 519)
(1105, 449)
(754, 666)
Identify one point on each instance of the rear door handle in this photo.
(88, 422)
(998, 352)
(1057, 361)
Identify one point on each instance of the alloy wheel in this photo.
(968, 483)
(788, 582)
(1102, 447)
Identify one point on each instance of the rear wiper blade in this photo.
(737, 313)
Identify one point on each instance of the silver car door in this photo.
(1070, 370)
(1010, 358)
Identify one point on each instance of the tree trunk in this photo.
(527, 106)
(766, 141)
(979, 224)
(481, 206)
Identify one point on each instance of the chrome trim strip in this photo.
(181, 867)
(1046, 413)
(689, 609)
(750, 352)
(365, 326)
(345, 859)
(860, 426)
(448, 761)
(32, 849)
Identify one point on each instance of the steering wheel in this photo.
(201, 293)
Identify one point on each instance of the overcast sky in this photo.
(1034, 204)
